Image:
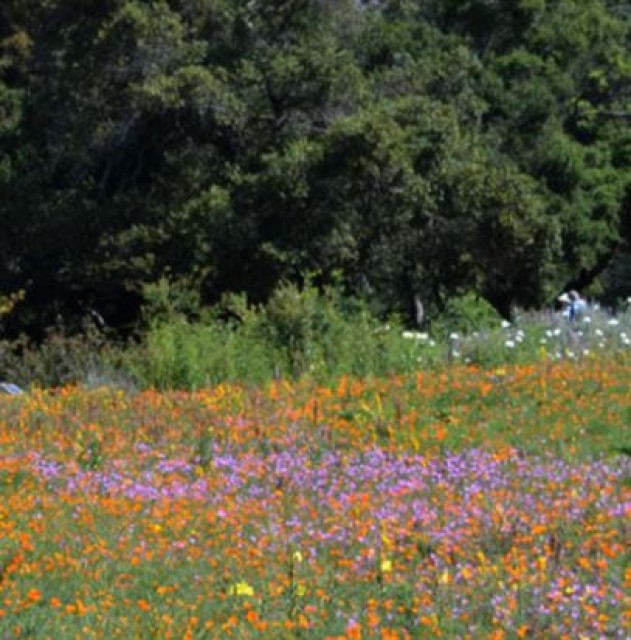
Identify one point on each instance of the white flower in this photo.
(510, 344)
(587, 319)
(543, 341)
(557, 332)
(453, 336)
(599, 332)
(505, 324)
(519, 337)
(549, 333)
(586, 352)
(614, 322)
(456, 354)
(414, 335)
(432, 343)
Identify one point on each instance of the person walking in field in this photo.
(574, 305)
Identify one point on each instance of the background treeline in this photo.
(395, 148)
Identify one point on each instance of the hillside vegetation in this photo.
(395, 148)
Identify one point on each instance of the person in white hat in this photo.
(574, 306)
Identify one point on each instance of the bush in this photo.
(182, 354)
(301, 331)
(88, 358)
(466, 314)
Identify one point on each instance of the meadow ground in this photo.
(466, 503)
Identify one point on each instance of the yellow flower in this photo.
(386, 565)
(297, 556)
(241, 589)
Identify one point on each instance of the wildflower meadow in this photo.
(463, 503)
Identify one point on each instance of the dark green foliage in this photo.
(467, 314)
(401, 148)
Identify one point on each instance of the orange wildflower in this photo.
(34, 595)
(373, 619)
(143, 605)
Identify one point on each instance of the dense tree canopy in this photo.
(407, 147)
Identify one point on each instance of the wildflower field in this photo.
(465, 503)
